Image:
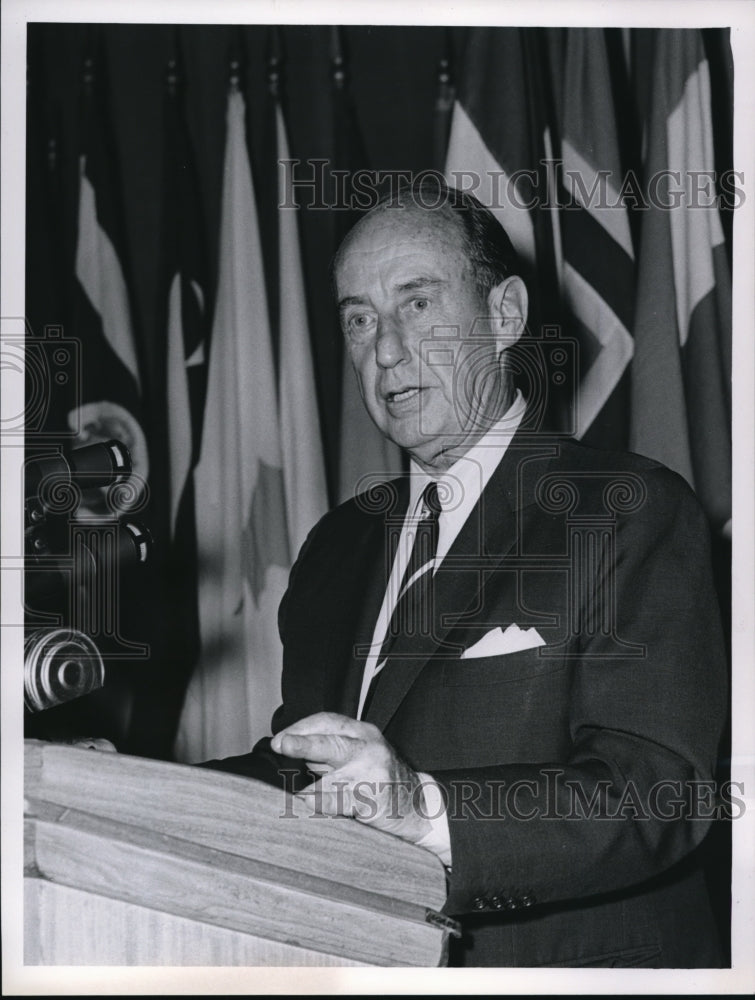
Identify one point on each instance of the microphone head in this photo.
(94, 465)
(59, 664)
(101, 464)
(134, 542)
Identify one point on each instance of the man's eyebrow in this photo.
(351, 300)
(411, 285)
(423, 281)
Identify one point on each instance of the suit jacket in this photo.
(567, 769)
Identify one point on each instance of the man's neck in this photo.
(446, 457)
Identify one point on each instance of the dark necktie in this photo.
(412, 613)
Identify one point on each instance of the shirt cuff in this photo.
(438, 839)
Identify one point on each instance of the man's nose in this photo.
(390, 345)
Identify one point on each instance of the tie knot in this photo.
(431, 501)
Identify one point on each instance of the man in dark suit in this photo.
(512, 656)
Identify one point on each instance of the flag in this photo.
(301, 443)
(681, 373)
(576, 252)
(242, 539)
(597, 277)
(185, 292)
(110, 396)
(501, 150)
(364, 454)
(499, 141)
(183, 310)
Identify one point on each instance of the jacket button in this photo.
(511, 904)
(497, 902)
(479, 903)
(528, 900)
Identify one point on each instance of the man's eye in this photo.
(358, 323)
(420, 304)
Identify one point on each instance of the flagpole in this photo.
(337, 60)
(275, 61)
(301, 442)
(444, 104)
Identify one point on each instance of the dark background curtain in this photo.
(393, 82)
(393, 78)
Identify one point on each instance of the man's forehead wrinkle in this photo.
(394, 247)
(393, 265)
(421, 281)
(398, 262)
(401, 283)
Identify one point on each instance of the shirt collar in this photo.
(461, 486)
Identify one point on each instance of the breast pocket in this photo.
(488, 710)
(501, 669)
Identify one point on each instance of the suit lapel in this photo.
(487, 537)
(378, 545)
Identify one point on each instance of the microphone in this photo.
(93, 465)
(49, 575)
(59, 665)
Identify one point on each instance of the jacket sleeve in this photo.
(634, 793)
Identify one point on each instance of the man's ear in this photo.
(507, 308)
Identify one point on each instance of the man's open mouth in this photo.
(403, 395)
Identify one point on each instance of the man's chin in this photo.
(424, 446)
(437, 454)
(408, 437)
(427, 451)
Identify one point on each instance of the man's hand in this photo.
(92, 743)
(361, 774)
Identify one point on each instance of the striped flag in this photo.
(576, 250)
(243, 552)
(364, 452)
(499, 139)
(499, 150)
(111, 393)
(681, 375)
(597, 276)
(301, 443)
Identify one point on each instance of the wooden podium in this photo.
(129, 861)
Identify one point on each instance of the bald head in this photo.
(488, 252)
(425, 340)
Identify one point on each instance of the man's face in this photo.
(402, 275)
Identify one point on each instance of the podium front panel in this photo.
(133, 861)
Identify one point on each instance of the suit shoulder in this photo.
(662, 489)
(580, 457)
(379, 500)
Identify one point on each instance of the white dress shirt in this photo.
(459, 489)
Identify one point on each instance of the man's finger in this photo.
(324, 723)
(324, 749)
(95, 743)
(317, 768)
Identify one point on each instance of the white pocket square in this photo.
(496, 642)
